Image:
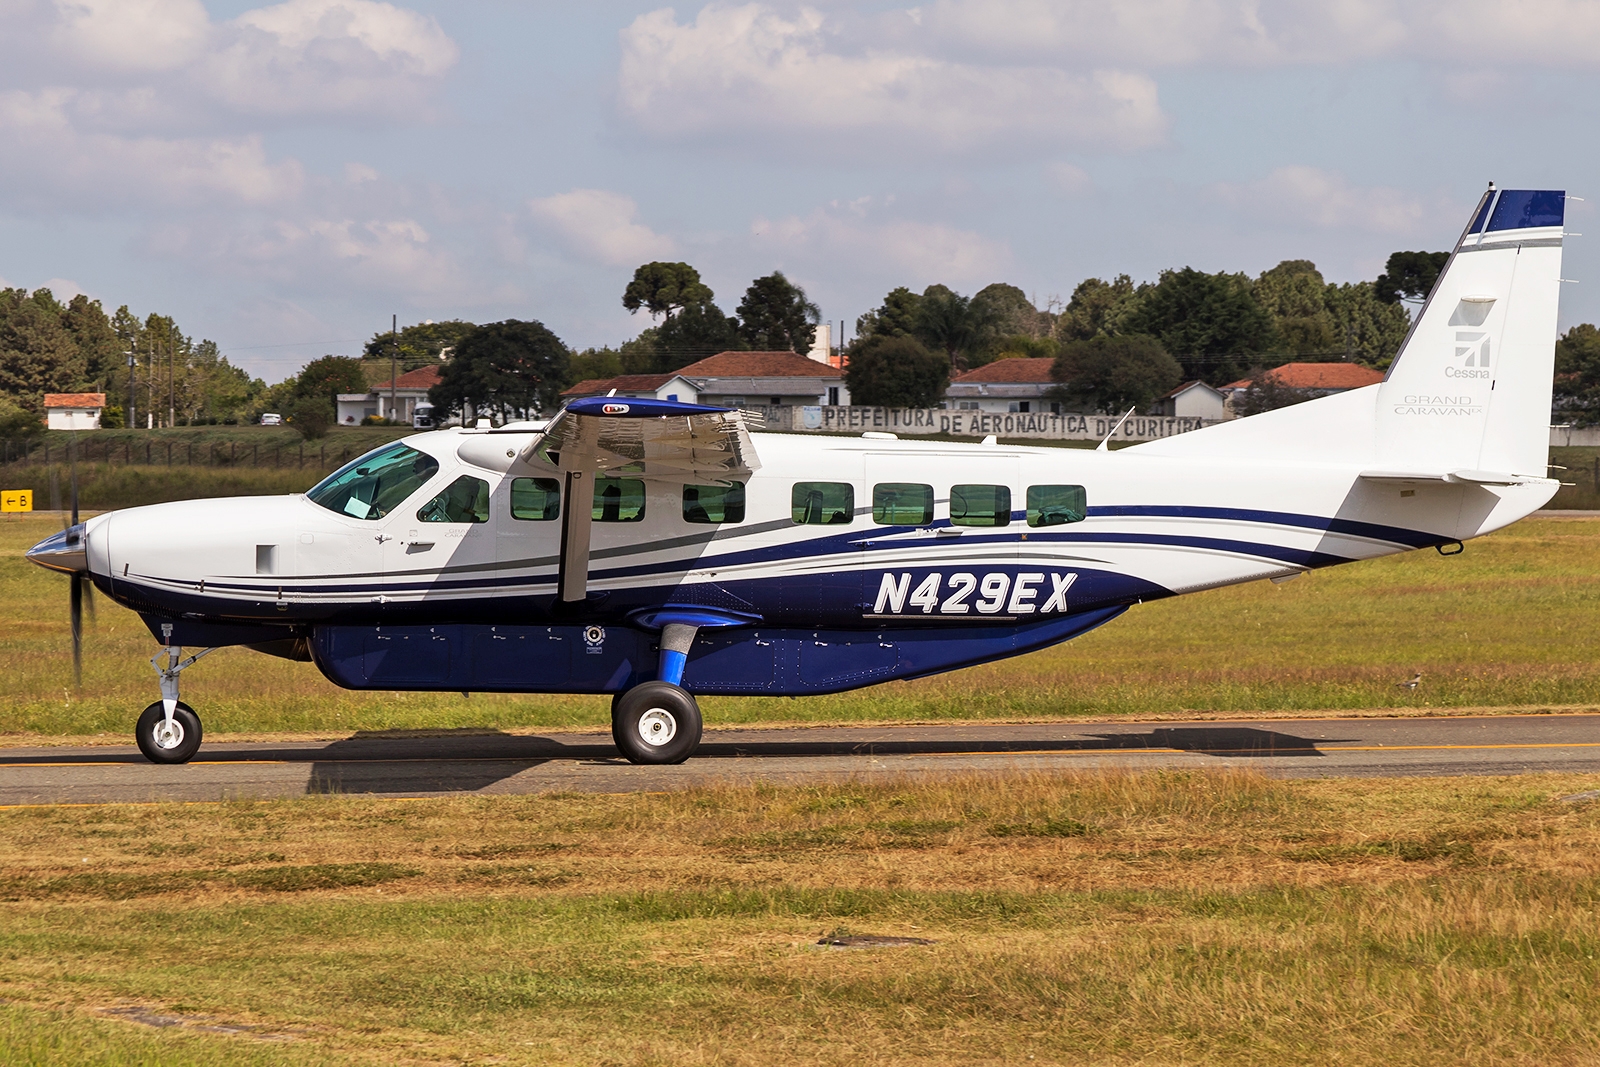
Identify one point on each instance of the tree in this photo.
(1113, 374)
(1577, 384)
(1097, 307)
(1294, 295)
(17, 421)
(952, 323)
(311, 416)
(1012, 313)
(418, 345)
(329, 376)
(775, 315)
(97, 342)
(895, 372)
(511, 368)
(665, 288)
(1365, 329)
(695, 332)
(1210, 322)
(1409, 274)
(38, 354)
(896, 317)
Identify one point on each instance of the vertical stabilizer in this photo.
(1470, 388)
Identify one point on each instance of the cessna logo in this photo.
(964, 593)
(615, 409)
(1474, 345)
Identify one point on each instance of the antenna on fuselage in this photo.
(1105, 445)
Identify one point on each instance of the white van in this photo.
(270, 419)
(422, 417)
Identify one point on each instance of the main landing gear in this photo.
(169, 730)
(659, 721)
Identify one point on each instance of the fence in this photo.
(170, 453)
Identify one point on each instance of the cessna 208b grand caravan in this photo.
(655, 550)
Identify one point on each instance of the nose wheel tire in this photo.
(655, 722)
(162, 744)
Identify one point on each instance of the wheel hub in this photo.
(168, 734)
(657, 727)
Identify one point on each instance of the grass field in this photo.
(1158, 918)
(1514, 622)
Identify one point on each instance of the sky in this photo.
(283, 178)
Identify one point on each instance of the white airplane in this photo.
(656, 550)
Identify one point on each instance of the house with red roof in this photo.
(1315, 379)
(732, 379)
(1017, 384)
(407, 391)
(73, 411)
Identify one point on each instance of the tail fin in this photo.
(1470, 389)
(1469, 392)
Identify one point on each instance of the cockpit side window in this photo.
(464, 500)
(375, 484)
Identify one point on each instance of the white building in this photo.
(1018, 384)
(1193, 399)
(408, 390)
(73, 411)
(733, 379)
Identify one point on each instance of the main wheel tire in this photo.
(157, 744)
(656, 722)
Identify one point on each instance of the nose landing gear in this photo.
(168, 730)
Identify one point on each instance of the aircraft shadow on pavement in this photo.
(423, 762)
(386, 763)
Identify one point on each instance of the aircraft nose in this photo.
(66, 551)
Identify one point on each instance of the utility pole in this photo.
(133, 363)
(394, 361)
(172, 383)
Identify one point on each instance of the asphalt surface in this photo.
(587, 762)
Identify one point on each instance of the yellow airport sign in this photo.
(16, 500)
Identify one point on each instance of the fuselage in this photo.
(1153, 526)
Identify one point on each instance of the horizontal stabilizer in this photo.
(1455, 477)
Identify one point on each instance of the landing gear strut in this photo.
(659, 721)
(169, 730)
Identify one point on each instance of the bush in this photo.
(18, 422)
(310, 416)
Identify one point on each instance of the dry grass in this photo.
(1114, 918)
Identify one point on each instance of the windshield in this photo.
(375, 484)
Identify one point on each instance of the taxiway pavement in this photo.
(587, 762)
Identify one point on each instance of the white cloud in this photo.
(750, 72)
(1309, 197)
(599, 225)
(924, 251)
(1152, 33)
(328, 57)
(131, 35)
(311, 254)
(49, 159)
(63, 289)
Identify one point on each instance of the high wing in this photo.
(650, 439)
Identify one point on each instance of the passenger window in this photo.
(713, 503)
(464, 500)
(538, 499)
(618, 500)
(980, 505)
(1056, 505)
(902, 504)
(373, 485)
(823, 503)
